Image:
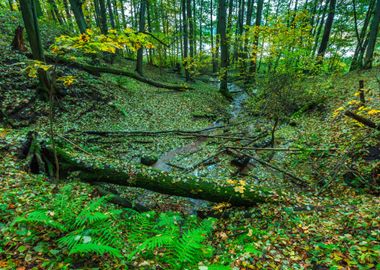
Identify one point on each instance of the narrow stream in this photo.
(236, 108)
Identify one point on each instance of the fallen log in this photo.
(361, 119)
(104, 170)
(98, 70)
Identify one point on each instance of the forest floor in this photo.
(332, 228)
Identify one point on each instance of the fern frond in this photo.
(95, 248)
(152, 243)
(40, 218)
(88, 218)
(188, 247)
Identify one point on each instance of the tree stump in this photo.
(18, 40)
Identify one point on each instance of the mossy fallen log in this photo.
(91, 169)
(98, 70)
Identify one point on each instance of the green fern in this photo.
(181, 239)
(86, 228)
(40, 217)
(98, 249)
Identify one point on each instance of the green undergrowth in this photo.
(68, 226)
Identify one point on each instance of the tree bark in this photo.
(372, 37)
(39, 9)
(326, 33)
(103, 17)
(216, 190)
(18, 40)
(29, 15)
(76, 7)
(253, 67)
(213, 53)
(357, 62)
(185, 39)
(110, 13)
(123, 13)
(223, 49)
(140, 51)
(190, 23)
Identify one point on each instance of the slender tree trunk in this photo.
(319, 27)
(98, 15)
(252, 69)
(213, 53)
(373, 32)
(39, 9)
(140, 52)
(326, 33)
(200, 26)
(76, 7)
(110, 12)
(313, 14)
(229, 25)
(191, 29)
(224, 48)
(194, 23)
(360, 48)
(123, 13)
(185, 39)
(150, 60)
(29, 15)
(103, 17)
(116, 13)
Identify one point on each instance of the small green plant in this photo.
(85, 229)
(180, 240)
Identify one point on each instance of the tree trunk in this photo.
(200, 27)
(234, 192)
(319, 27)
(110, 12)
(360, 48)
(248, 24)
(76, 7)
(326, 33)
(185, 39)
(229, 24)
(29, 15)
(123, 13)
(213, 53)
(372, 37)
(39, 9)
(140, 52)
(103, 17)
(190, 33)
(116, 13)
(18, 40)
(223, 49)
(97, 14)
(253, 67)
(150, 51)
